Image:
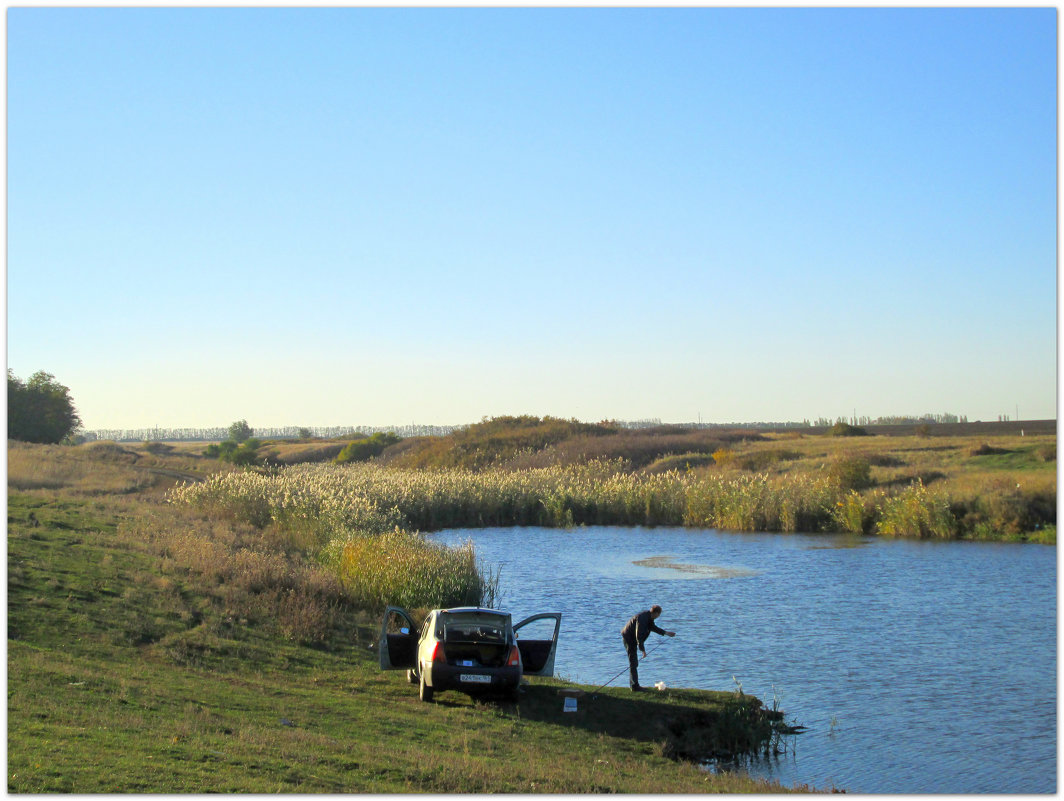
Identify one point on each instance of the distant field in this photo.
(972, 429)
(984, 480)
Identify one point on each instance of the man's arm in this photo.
(663, 632)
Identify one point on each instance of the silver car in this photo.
(469, 649)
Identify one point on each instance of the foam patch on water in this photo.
(696, 571)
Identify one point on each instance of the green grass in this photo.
(1024, 457)
(131, 672)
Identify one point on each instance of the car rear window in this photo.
(475, 632)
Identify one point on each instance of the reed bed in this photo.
(406, 570)
(362, 520)
(320, 503)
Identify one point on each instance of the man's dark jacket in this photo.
(639, 627)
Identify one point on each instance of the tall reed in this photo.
(360, 517)
(916, 512)
(403, 569)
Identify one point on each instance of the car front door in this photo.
(537, 640)
(398, 640)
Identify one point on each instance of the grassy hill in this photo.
(531, 442)
(153, 649)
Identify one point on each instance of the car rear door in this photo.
(538, 642)
(398, 640)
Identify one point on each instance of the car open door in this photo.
(398, 642)
(538, 642)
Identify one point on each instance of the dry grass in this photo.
(99, 468)
(55, 467)
(285, 453)
(253, 575)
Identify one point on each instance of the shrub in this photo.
(232, 451)
(849, 472)
(841, 429)
(723, 456)
(364, 449)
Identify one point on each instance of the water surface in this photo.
(918, 667)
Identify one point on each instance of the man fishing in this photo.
(634, 634)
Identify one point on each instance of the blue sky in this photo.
(385, 216)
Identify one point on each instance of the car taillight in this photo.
(437, 653)
(515, 658)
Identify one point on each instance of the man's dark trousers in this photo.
(633, 661)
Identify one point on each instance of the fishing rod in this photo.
(648, 653)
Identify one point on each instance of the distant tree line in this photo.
(827, 422)
(217, 434)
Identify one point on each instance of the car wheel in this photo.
(425, 692)
(411, 677)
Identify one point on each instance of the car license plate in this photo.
(475, 678)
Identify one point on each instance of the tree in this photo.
(240, 431)
(39, 410)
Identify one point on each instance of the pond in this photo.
(917, 667)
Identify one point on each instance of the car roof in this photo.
(458, 610)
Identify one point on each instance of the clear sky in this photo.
(388, 216)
